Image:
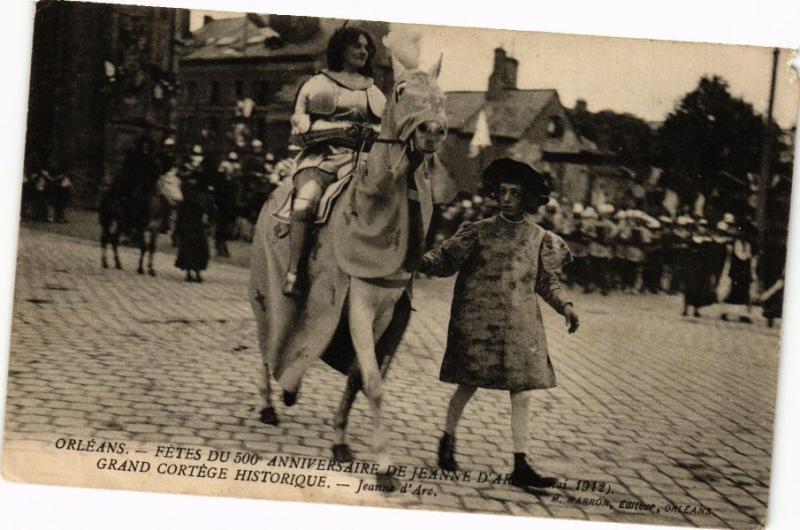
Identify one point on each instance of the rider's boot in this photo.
(299, 236)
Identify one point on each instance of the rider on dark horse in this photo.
(135, 186)
(337, 113)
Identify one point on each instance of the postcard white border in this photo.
(768, 23)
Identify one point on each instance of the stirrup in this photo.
(291, 284)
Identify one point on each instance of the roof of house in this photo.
(509, 116)
(614, 171)
(242, 38)
(247, 37)
(223, 27)
(460, 106)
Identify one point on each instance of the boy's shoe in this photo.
(447, 453)
(525, 476)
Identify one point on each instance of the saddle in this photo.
(284, 211)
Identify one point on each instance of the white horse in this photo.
(357, 298)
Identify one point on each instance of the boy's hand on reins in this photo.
(571, 318)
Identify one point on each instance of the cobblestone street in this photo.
(668, 410)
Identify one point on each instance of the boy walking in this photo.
(496, 336)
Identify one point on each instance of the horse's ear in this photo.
(397, 67)
(436, 69)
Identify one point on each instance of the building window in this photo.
(266, 91)
(555, 127)
(263, 93)
(214, 126)
(261, 130)
(183, 129)
(191, 93)
(214, 95)
(189, 130)
(238, 87)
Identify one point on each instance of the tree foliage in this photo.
(629, 138)
(711, 141)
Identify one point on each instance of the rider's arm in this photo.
(315, 99)
(301, 119)
(452, 254)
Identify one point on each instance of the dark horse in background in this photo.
(132, 205)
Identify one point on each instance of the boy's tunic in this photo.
(496, 336)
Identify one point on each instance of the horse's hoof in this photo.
(289, 398)
(342, 453)
(268, 416)
(151, 272)
(140, 270)
(119, 266)
(387, 483)
(104, 263)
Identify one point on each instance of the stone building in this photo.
(239, 76)
(102, 75)
(529, 125)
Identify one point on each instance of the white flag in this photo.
(482, 137)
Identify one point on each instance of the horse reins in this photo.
(375, 141)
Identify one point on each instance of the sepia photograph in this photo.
(320, 257)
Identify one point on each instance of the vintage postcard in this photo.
(369, 263)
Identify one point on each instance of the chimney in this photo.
(497, 80)
(510, 78)
(207, 19)
(580, 106)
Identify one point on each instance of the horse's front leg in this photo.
(104, 237)
(264, 383)
(151, 250)
(341, 450)
(115, 246)
(142, 250)
(267, 414)
(369, 312)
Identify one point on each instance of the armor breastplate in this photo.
(330, 99)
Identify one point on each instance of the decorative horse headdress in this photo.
(415, 98)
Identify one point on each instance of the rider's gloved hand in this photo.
(357, 130)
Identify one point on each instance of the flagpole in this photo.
(481, 165)
(766, 156)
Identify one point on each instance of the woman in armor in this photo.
(337, 112)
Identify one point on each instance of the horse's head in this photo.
(415, 111)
